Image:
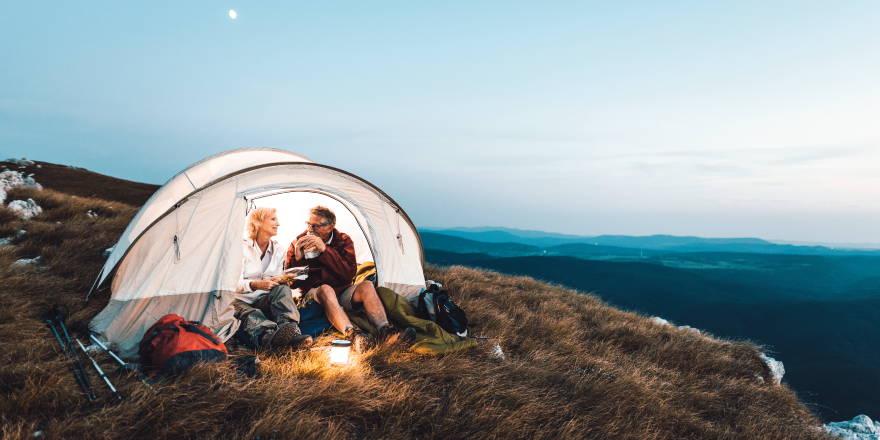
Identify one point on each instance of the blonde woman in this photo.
(266, 309)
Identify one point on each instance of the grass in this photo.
(574, 368)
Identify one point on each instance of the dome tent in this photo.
(182, 251)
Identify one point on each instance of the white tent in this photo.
(182, 252)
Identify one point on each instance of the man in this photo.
(266, 309)
(329, 281)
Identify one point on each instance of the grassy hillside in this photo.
(573, 367)
(817, 314)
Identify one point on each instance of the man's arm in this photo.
(342, 263)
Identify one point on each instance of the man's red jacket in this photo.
(335, 267)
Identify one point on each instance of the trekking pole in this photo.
(75, 371)
(91, 390)
(66, 354)
(100, 344)
(121, 362)
(100, 372)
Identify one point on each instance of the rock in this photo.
(25, 261)
(21, 233)
(2, 196)
(776, 368)
(859, 428)
(687, 327)
(91, 214)
(5, 241)
(21, 162)
(660, 320)
(497, 352)
(109, 250)
(25, 209)
(12, 179)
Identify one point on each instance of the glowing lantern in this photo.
(339, 351)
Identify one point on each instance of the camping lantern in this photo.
(339, 351)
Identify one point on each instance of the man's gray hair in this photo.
(323, 211)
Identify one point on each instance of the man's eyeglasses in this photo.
(314, 226)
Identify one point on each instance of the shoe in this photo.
(392, 335)
(360, 341)
(280, 338)
(301, 342)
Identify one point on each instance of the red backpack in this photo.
(173, 345)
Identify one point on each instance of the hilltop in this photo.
(80, 182)
(570, 365)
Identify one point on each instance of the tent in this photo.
(182, 252)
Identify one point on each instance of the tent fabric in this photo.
(187, 259)
(197, 175)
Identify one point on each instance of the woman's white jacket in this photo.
(252, 269)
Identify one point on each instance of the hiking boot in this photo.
(392, 335)
(301, 342)
(281, 337)
(360, 341)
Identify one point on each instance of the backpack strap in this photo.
(191, 328)
(149, 339)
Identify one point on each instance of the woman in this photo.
(266, 308)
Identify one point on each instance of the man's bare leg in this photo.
(365, 293)
(326, 297)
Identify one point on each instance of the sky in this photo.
(714, 119)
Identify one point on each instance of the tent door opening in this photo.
(293, 207)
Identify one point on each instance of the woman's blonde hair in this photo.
(256, 219)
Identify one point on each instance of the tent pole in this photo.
(94, 284)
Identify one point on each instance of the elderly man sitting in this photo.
(330, 256)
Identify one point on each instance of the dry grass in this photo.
(657, 382)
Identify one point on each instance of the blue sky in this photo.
(688, 118)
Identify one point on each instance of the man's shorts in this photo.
(345, 300)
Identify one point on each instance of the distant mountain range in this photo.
(668, 243)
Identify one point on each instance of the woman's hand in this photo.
(266, 284)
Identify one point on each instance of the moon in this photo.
(232, 13)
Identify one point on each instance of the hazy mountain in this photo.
(463, 245)
(869, 246)
(667, 243)
(522, 233)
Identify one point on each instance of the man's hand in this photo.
(266, 284)
(309, 241)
